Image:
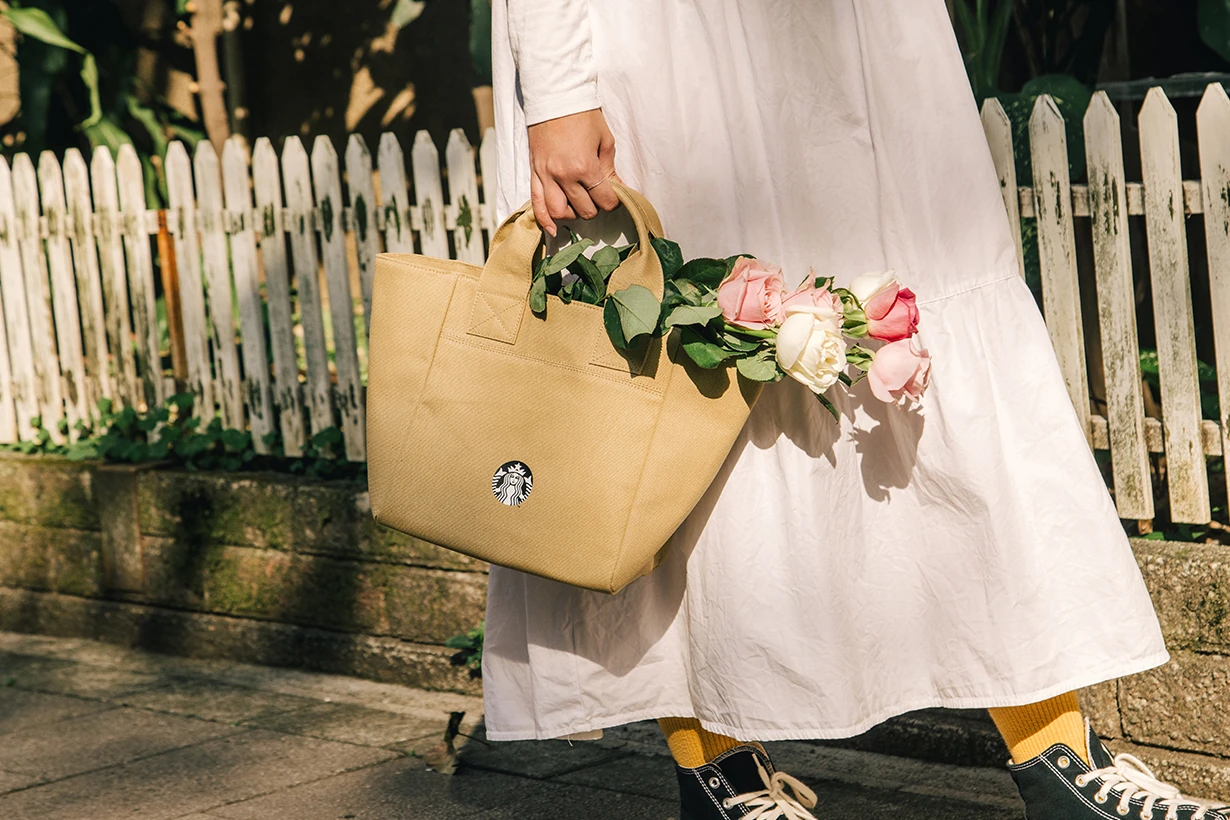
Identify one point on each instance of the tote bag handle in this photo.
(504, 287)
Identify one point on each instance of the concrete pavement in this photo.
(93, 732)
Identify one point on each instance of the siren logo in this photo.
(512, 483)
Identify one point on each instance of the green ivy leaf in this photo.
(693, 315)
(638, 311)
(702, 351)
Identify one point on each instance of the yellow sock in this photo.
(1031, 730)
(690, 744)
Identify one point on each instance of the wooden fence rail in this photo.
(274, 259)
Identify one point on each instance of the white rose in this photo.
(869, 284)
(810, 347)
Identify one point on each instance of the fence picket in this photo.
(267, 185)
(8, 411)
(1112, 255)
(78, 398)
(395, 212)
(38, 297)
(363, 217)
(1172, 310)
(429, 196)
(114, 278)
(130, 177)
(998, 130)
(1057, 250)
(218, 283)
(182, 224)
(487, 168)
(89, 277)
(1213, 131)
(16, 315)
(349, 391)
(247, 292)
(463, 196)
(299, 219)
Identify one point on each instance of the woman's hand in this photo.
(572, 163)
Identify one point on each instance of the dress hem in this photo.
(813, 733)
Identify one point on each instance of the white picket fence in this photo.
(1166, 201)
(77, 278)
(77, 271)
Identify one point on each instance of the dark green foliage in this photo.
(172, 434)
(470, 649)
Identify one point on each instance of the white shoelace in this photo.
(774, 802)
(1131, 779)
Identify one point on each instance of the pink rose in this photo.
(900, 372)
(808, 295)
(751, 294)
(892, 311)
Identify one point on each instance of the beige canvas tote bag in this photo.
(532, 442)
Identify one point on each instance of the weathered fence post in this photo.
(1172, 310)
(1057, 250)
(1112, 254)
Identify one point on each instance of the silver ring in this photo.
(599, 182)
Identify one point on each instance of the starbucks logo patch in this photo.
(512, 483)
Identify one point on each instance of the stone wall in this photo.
(287, 571)
(225, 564)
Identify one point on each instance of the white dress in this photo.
(966, 554)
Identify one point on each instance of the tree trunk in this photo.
(206, 26)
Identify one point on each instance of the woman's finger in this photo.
(538, 200)
(603, 195)
(580, 200)
(557, 201)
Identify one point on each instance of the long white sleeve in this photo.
(551, 45)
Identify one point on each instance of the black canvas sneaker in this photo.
(1057, 785)
(741, 785)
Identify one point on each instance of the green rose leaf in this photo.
(707, 273)
(702, 351)
(737, 344)
(538, 295)
(693, 315)
(567, 256)
(638, 311)
(759, 368)
(688, 292)
(828, 405)
(606, 260)
(670, 255)
(614, 330)
(625, 251)
(592, 278)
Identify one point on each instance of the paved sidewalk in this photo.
(93, 732)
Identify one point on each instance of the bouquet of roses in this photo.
(737, 310)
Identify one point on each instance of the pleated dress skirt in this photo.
(963, 553)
